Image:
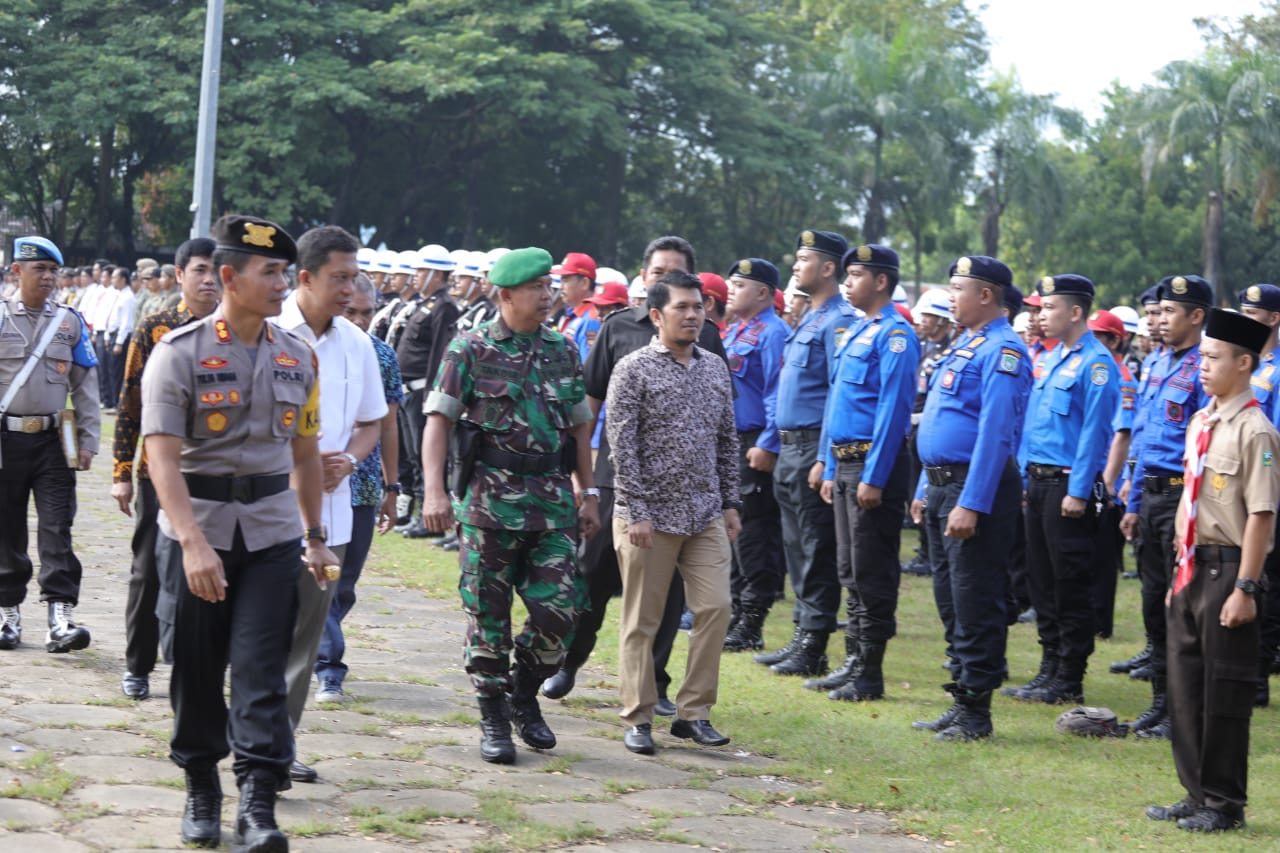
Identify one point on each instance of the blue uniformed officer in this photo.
(867, 464)
(1261, 302)
(1170, 392)
(967, 441)
(754, 347)
(808, 523)
(1064, 452)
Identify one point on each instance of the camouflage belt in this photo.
(851, 451)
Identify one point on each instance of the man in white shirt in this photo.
(119, 329)
(351, 408)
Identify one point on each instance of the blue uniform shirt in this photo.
(807, 363)
(754, 350)
(82, 354)
(582, 331)
(975, 409)
(1169, 395)
(872, 393)
(1264, 382)
(1071, 412)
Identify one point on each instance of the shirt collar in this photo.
(1228, 409)
(657, 345)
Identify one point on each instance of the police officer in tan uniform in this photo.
(33, 394)
(230, 410)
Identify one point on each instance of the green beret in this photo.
(520, 265)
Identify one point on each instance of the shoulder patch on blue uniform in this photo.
(898, 344)
(1009, 360)
(1099, 374)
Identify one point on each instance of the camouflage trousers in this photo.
(542, 567)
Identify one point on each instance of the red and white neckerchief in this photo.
(1195, 477)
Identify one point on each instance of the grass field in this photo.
(1026, 789)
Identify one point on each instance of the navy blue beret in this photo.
(1264, 296)
(756, 269)
(983, 268)
(1067, 284)
(871, 255)
(1186, 288)
(1013, 299)
(827, 242)
(1151, 294)
(36, 249)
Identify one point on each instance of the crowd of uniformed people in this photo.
(1026, 435)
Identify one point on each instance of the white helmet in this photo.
(434, 257)
(1144, 330)
(607, 274)
(385, 261)
(472, 264)
(1127, 316)
(936, 303)
(489, 258)
(636, 290)
(365, 258)
(406, 261)
(1022, 323)
(899, 295)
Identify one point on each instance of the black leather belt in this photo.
(519, 463)
(851, 451)
(1047, 472)
(1161, 484)
(940, 475)
(795, 436)
(243, 490)
(1217, 554)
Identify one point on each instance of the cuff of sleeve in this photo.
(438, 403)
(164, 418)
(581, 413)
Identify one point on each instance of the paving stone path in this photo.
(83, 769)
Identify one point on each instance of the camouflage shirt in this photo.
(525, 391)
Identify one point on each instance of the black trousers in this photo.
(411, 421)
(1059, 566)
(970, 579)
(808, 537)
(1019, 586)
(251, 631)
(141, 630)
(1212, 681)
(759, 568)
(1108, 557)
(34, 465)
(867, 545)
(1155, 567)
(1269, 610)
(599, 565)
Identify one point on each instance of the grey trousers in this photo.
(313, 609)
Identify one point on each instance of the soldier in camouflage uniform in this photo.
(515, 389)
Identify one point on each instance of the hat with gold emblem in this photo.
(254, 236)
(756, 269)
(827, 242)
(36, 249)
(1067, 284)
(870, 255)
(1264, 296)
(1237, 329)
(983, 268)
(1185, 288)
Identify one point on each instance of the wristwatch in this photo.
(316, 533)
(391, 487)
(727, 505)
(350, 457)
(1248, 586)
(591, 493)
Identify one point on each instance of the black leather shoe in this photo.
(1056, 691)
(1174, 812)
(1141, 658)
(1142, 673)
(300, 772)
(64, 634)
(664, 707)
(135, 686)
(559, 685)
(202, 817)
(698, 731)
(10, 627)
(1211, 820)
(1156, 731)
(639, 739)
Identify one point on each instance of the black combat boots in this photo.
(532, 727)
(256, 830)
(496, 746)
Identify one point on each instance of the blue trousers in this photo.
(333, 645)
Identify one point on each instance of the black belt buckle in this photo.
(1045, 472)
(241, 490)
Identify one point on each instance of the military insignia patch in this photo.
(1046, 285)
(28, 251)
(60, 367)
(1173, 411)
(233, 397)
(1219, 482)
(1009, 359)
(65, 326)
(212, 398)
(898, 344)
(864, 253)
(1253, 294)
(1179, 285)
(1268, 459)
(1268, 370)
(1075, 362)
(964, 266)
(159, 332)
(216, 422)
(289, 416)
(744, 267)
(259, 235)
(222, 332)
(284, 360)
(1099, 374)
(213, 362)
(948, 379)
(735, 362)
(806, 239)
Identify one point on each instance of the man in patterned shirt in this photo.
(200, 294)
(515, 388)
(675, 458)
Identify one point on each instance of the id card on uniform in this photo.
(70, 443)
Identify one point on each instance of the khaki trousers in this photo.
(704, 560)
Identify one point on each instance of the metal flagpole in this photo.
(207, 130)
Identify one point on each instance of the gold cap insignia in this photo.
(1046, 284)
(1219, 482)
(1253, 294)
(806, 238)
(1179, 285)
(28, 250)
(258, 235)
(963, 266)
(744, 267)
(864, 253)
